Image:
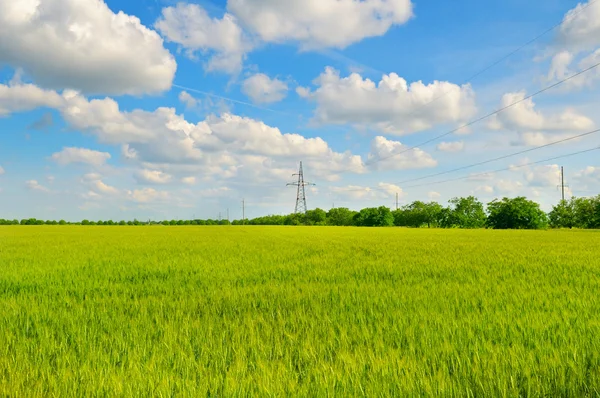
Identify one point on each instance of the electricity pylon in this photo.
(301, 192)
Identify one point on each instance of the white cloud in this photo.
(578, 39)
(456, 146)
(580, 28)
(262, 89)
(543, 176)
(508, 186)
(189, 180)
(393, 155)
(433, 195)
(105, 189)
(190, 26)
(561, 68)
(91, 177)
(485, 189)
(35, 186)
(1, 170)
(590, 173)
(25, 97)
(188, 100)
(320, 23)
(535, 127)
(392, 105)
(391, 189)
(80, 155)
(225, 146)
(355, 192)
(83, 45)
(147, 195)
(153, 177)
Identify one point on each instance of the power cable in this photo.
(484, 117)
(501, 157)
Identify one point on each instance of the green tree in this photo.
(517, 213)
(563, 215)
(464, 213)
(341, 217)
(374, 217)
(316, 217)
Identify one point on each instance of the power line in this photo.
(510, 54)
(478, 174)
(232, 100)
(484, 117)
(505, 169)
(501, 157)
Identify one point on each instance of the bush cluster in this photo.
(469, 212)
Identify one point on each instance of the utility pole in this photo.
(228, 215)
(396, 200)
(243, 211)
(562, 185)
(301, 192)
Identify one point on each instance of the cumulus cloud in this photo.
(153, 177)
(382, 191)
(105, 189)
(391, 106)
(263, 90)
(83, 45)
(44, 122)
(25, 97)
(320, 23)
(509, 187)
(580, 28)
(222, 146)
(393, 155)
(561, 68)
(456, 146)
(80, 155)
(535, 127)
(189, 180)
(190, 26)
(35, 186)
(147, 195)
(433, 195)
(543, 176)
(188, 100)
(577, 42)
(590, 173)
(391, 189)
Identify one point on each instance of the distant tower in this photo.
(301, 193)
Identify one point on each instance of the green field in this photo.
(272, 311)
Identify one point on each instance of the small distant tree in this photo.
(464, 213)
(374, 217)
(294, 219)
(316, 217)
(341, 217)
(517, 213)
(563, 215)
(62, 222)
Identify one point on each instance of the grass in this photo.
(274, 311)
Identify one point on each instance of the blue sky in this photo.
(162, 109)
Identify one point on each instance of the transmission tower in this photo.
(301, 192)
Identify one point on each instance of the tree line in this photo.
(467, 212)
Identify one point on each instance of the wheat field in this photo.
(295, 311)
